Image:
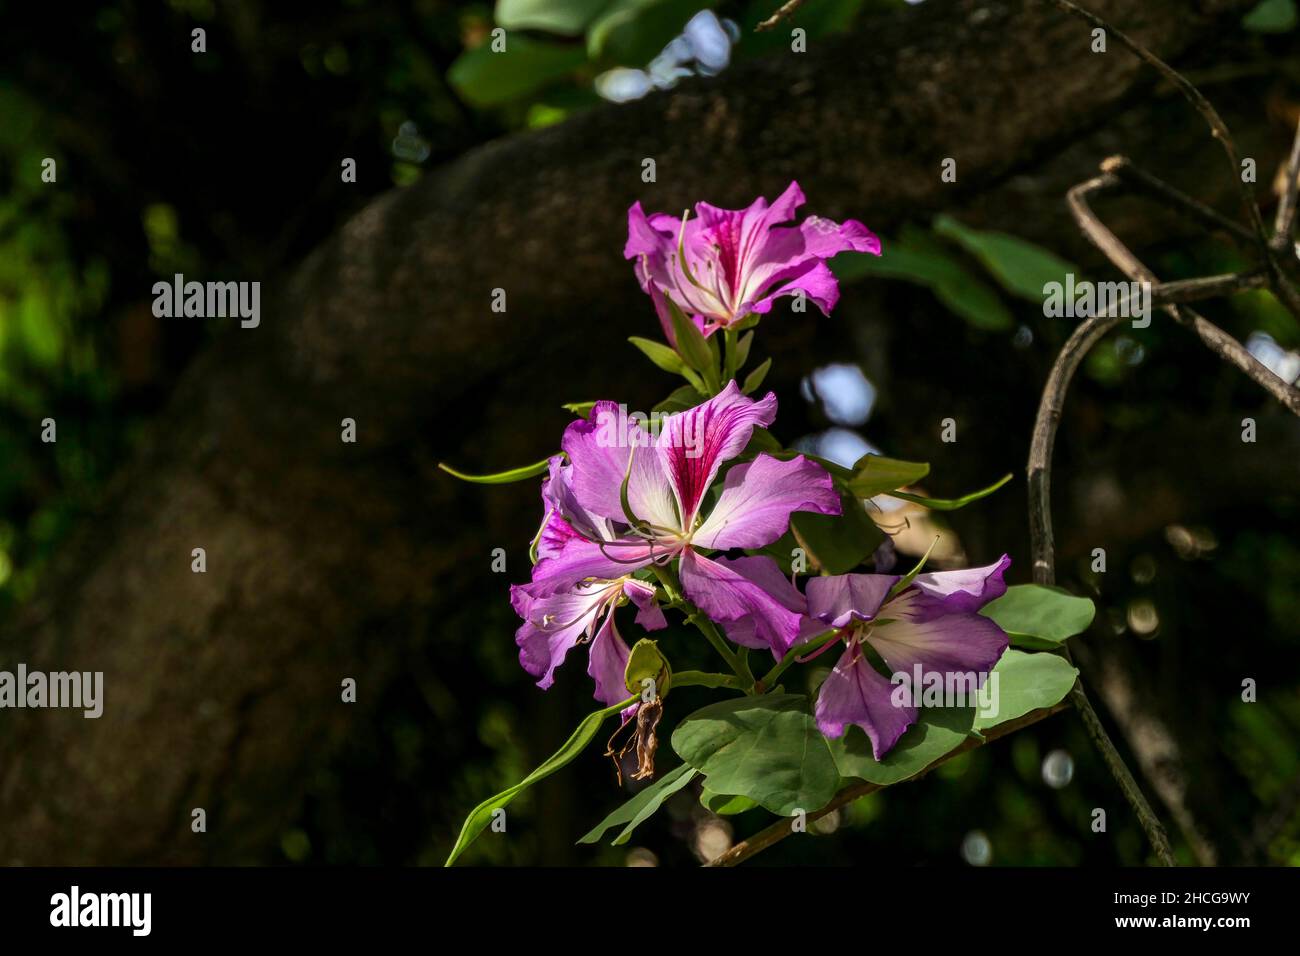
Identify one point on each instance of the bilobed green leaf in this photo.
(481, 816)
(765, 748)
(485, 78)
(642, 806)
(501, 477)
(565, 17)
(937, 732)
(837, 543)
(1021, 267)
(875, 474)
(724, 804)
(1046, 613)
(1025, 682)
(951, 504)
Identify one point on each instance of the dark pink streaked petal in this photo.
(855, 693)
(758, 498)
(693, 444)
(837, 600)
(727, 596)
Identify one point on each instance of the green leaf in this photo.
(837, 544)
(1021, 267)
(1026, 682)
(916, 257)
(485, 78)
(581, 409)
(691, 345)
(755, 378)
(642, 806)
(1271, 16)
(481, 816)
(1046, 613)
(875, 475)
(761, 440)
(566, 17)
(765, 748)
(951, 504)
(660, 354)
(723, 804)
(742, 349)
(686, 397)
(937, 732)
(501, 477)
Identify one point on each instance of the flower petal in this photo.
(599, 448)
(758, 498)
(855, 693)
(727, 596)
(649, 615)
(766, 573)
(967, 590)
(579, 559)
(553, 624)
(607, 663)
(952, 644)
(838, 599)
(693, 444)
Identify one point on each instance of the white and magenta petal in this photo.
(693, 444)
(649, 615)
(553, 625)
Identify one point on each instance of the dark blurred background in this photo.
(225, 164)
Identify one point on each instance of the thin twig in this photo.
(1284, 223)
(785, 11)
(1218, 341)
(1218, 128)
(1139, 178)
(781, 829)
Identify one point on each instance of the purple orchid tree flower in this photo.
(638, 499)
(725, 265)
(556, 620)
(932, 626)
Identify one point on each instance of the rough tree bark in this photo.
(222, 689)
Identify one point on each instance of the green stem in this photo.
(729, 351)
(705, 679)
(705, 627)
(817, 643)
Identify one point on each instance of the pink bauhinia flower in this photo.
(631, 499)
(724, 265)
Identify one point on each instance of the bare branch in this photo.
(783, 12)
